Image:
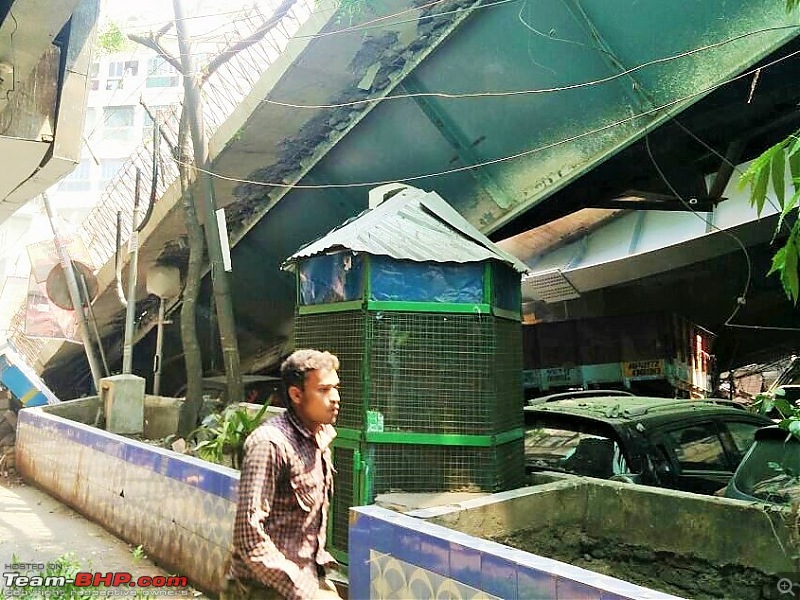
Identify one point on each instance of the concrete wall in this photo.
(179, 508)
(719, 530)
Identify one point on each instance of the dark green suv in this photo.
(690, 445)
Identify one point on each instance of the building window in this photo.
(79, 180)
(118, 123)
(109, 169)
(94, 77)
(120, 70)
(161, 74)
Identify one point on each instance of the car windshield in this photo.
(574, 452)
(771, 471)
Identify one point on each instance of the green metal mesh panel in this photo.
(417, 468)
(343, 334)
(506, 375)
(445, 373)
(343, 498)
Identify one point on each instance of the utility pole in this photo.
(219, 278)
(74, 295)
(133, 272)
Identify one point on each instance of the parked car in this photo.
(690, 445)
(770, 471)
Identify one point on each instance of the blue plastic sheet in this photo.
(402, 280)
(506, 287)
(331, 278)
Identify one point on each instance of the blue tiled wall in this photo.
(179, 508)
(397, 556)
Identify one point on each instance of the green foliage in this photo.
(226, 432)
(769, 171)
(773, 162)
(776, 401)
(138, 553)
(111, 40)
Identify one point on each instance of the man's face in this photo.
(318, 402)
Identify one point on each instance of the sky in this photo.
(149, 15)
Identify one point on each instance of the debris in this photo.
(179, 446)
(10, 417)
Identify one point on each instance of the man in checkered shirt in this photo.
(285, 489)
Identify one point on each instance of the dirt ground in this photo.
(36, 528)
(688, 577)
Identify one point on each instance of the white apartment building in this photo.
(116, 122)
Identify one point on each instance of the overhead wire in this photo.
(241, 12)
(461, 95)
(366, 25)
(741, 299)
(722, 157)
(547, 90)
(151, 26)
(489, 162)
(628, 71)
(377, 22)
(552, 38)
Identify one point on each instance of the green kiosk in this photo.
(423, 312)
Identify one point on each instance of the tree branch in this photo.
(267, 26)
(152, 42)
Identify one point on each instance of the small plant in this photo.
(225, 433)
(138, 553)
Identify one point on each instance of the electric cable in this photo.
(449, 95)
(552, 37)
(149, 27)
(721, 156)
(742, 298)
(154, 177)
(377, 24)
(489, 162)
(548, 90)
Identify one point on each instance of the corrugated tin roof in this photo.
(411, 225)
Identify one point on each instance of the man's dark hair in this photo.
(300, 362)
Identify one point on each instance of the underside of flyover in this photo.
(702, 111)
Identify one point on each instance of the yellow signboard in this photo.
(639, 369)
